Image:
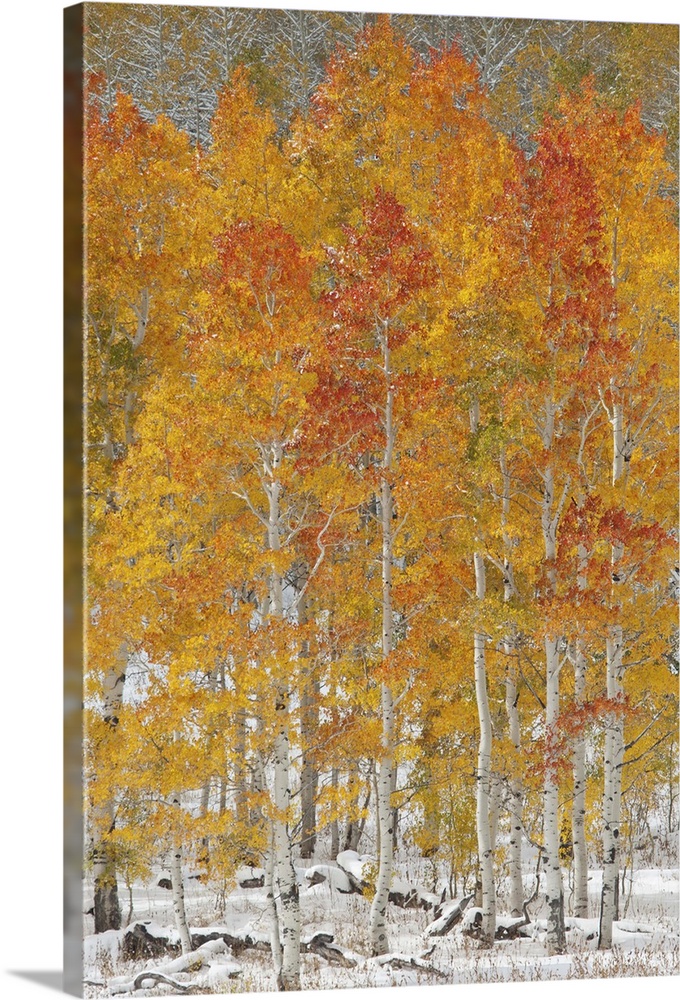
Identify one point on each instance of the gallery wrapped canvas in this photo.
(378, 499)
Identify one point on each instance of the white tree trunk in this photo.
(269, 888)
(378, 914)
(286, 886)
(287, 890)
(107, 914)
(578, 806)
(516, 797)
(550, 515)
(177, 880)
(611, 806)
(556, 940)
(516, 802)
(484, 838)
(614, 738)
(309, 721)
(578, 809)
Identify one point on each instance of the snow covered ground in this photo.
(646, 941)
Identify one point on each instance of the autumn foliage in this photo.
(244, 293)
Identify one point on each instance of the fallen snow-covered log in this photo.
(399, 961)
(250, 878)
(321, 943)
(240, 940)
(145, 939)
(408, 896)
(507, 927)
(423, 900)
(336, 878)
(168, 974)
(447, 915)
(355, 865)
(146, 980)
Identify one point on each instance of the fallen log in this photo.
(354, 865)
(167, 974)
(447, 915)
(250, 878)
(154, 978)
(145, 939)
(507, 928)
(322, 944)
(398, 961)
(336, 878)
(410, 897)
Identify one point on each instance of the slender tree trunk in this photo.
(275, 930)
(484, 840)
(378, 929)
(309, 719)
(308, 791)
(287, 890)
(515, 784)
(550, 515)
(611, 806)
(578, 809)
(614, 738)
(107, 915)
(205, 798)
(335, 830)
(516, 802)
(377, 922)
(351, 839)
(556, 938)
(177, 880)
(395, 810)
(288, 893)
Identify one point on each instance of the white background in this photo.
(31, 478)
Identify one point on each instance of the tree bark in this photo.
(556, 938)
(484, 839)
(177, 879)
(377, 922)
(515, 784)
(611, 806)
(335, 829)
(578, 808)
(309, 719)
(107, 914)
(269, 887)
(288, 894)
(286, 886)
(516, 801)
(614, 739)
(550, 515)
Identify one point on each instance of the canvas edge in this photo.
(73, 468)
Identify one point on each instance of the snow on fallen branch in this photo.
(399, 961)
(447, 915)
(321, 943)
(356, 867)
(146, 980)
(208, 956)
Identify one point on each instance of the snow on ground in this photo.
(646, 939)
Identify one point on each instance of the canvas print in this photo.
(380, 500)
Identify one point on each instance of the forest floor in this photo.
(646, 939)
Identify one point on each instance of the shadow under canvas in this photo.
(51, 980)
